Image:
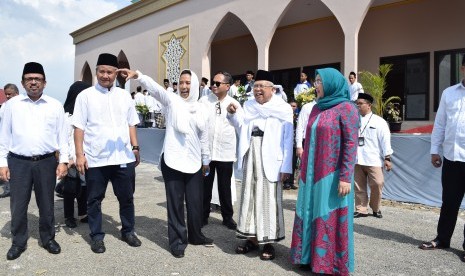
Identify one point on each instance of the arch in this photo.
(86, 74)
(122, 63)
(231, 37)
(307, 36)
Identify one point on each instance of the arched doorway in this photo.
(233, 49)
(122, 63)
(86, 74)
(308, 37)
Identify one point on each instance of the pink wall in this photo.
(307, 44)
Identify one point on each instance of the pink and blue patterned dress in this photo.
(323, 227)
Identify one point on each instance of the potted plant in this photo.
(144, 114)
(375, 85)
(392, 116)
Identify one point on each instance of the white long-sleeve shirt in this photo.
(105, 117)
(221, 134)
(302, 121)
(377, 141)
(31, 128)
(184, 152)
(449, 125)
(354, 89)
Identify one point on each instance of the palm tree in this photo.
(375, 85)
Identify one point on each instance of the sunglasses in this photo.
(218, 83)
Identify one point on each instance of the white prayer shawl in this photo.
(279, 117)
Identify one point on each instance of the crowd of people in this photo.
(336, 144)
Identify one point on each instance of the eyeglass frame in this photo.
(261, 86)
(36, 79)
(317, 82)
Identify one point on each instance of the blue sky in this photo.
(38, 30)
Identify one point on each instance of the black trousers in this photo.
(224, 172)
(453, 191)
(25, 174)
(68, 203)
(180, 186)
(122, 178)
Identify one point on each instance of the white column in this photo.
(350, 21)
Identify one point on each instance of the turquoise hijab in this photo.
(336, 89)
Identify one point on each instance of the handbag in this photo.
(72, 183)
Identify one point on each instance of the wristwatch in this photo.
(136, 148)
(387, 158)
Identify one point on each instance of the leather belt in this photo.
(257, 132)
(31, 158)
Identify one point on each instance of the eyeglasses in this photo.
(261, 86)
(29, 80)
(317, 82)
(360, 103)
(218, 108)
(218, 83)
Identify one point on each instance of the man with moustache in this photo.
(222, 138)
(33, 130)
(107, 150)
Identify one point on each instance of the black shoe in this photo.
(293, 187)
(286, 187)
(84, 219)
(71, 222)
(177, 254)
(5, 194)
(360, 215)
(97, 246)
(52, 247)
(15, 252)
(230, 223)
(378, 214)
(60, 195)
(131, 239)
(205, 242)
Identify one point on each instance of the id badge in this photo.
(361, 141)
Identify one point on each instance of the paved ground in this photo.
(385, 246)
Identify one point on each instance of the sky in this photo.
(38, 30)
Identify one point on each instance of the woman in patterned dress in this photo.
(323, 227)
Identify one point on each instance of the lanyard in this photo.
(366, 125)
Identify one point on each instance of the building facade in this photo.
(421, 38)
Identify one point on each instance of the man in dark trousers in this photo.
(222, 139)
(33, 151)
(449, 134)
(107, 150)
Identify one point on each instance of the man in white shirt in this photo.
(355, 87)
(449, 135)
(139, 98)
(249, 81)
(303, 85)
(222, 138)
(234, 88)
(32, 132)
(301, 127)
(265, 148)
(10, 90)
(204, 89)
(107, 150)
(166, 84)
(373, 153)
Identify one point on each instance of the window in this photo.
(446, 71)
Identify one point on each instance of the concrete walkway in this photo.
(385, 246)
